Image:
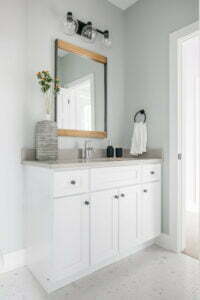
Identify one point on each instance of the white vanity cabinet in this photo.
(82, 219)
(70, 248)
(104, 221)
(129, 198)
(149, 211)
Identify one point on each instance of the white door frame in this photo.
(175, 139)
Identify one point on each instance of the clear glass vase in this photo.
(48, 99)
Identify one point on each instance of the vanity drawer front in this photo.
(151, 173)
(103, 178)
(71, 182)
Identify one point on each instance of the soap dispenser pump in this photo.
(110, 150)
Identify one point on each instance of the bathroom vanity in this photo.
(82, 216)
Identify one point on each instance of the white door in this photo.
(189, 124)
(71, 235)
(103, 225)
(177, 125)
(149, 211)
(128, 217)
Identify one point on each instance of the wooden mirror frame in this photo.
(59, 44)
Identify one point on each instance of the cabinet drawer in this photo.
(70, 182)
(102, 178)
(151, 173)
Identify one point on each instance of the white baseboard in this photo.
(12, 261)
(55, 284)
(166, 241)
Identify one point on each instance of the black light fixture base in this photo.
(81, 25)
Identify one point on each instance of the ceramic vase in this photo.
(46, 140)
(46, 133)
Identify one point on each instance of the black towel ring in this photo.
(140, 112)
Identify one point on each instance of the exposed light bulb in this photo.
(70, 24)
(89, 33)
(106, 39)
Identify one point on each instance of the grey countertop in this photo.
(94, 163)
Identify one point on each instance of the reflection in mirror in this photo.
(81, 102)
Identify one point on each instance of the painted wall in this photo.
(27, 46)
(13, 62)
(148, 25)
(45, 25)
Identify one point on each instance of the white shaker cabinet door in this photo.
(149, 211)
(128, 200)
(71, 235)
(104, 211)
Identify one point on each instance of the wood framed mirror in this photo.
(81, 104)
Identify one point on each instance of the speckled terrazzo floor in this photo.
(148, 275)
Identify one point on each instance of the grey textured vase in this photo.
(46, 140)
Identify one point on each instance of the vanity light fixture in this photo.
(106, 39)
(70, 24)
(89, 33)
(85, 30)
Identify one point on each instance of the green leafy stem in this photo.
(46, 81)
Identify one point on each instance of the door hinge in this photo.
(179, 156)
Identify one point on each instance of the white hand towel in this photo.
(139, 139)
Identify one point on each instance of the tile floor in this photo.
(151, 274)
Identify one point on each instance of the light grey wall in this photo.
(28, 31)
(72, 67)
(13, 62)
(148, 25)
(146, 80)
(45, 25)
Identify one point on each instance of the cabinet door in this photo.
(128, 217)
(103, 226)
(149, 211)
(71, 235)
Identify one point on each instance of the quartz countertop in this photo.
(93, 163)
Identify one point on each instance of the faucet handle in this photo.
(87, 149)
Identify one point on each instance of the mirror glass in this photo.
(81, 102)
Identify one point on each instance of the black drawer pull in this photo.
(145, 191)
(87, 203)
(73, 182)
(122, 195)
(116, 197)
(152, 172)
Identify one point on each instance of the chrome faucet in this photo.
(87, 150)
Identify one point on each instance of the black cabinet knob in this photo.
(73, 182)
(116, 197)
(145, 191)
(122, 195)
(87, 203)
(152, 172)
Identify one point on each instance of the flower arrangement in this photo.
(49, 87)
